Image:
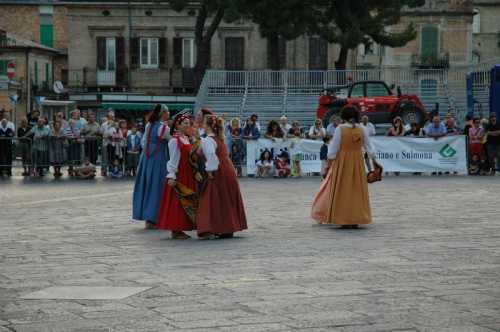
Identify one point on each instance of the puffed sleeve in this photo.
(144, 136)
(334, 145)
(209, 147)
(164, 132)
(175, 157)
(368, 144)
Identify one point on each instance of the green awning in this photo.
(144, 106)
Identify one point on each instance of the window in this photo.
(3, 67)
(234, 53)
(188, 53)
(36, 73)
(476, 22)
(47, 73)
(110, 54)
(357, 91)
(149, 52)
(318, 54)
(376, 90)
(47, 26)
(430, 43)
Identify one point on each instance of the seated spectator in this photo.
(334, 123)
(251, 130)
(415, 131)
(255, 119)
(86, 171)
(282, 165)
(317, 132)
(368, 126)
(323, 155)
(436, 129)
(295, 131)
(133, 152)
(451, 128)
(284, 125)
(397, 128)
(264, 164)
(475, 165)
(476, 134)
(116, 170)
(273, 131)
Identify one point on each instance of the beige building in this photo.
(486, 30)
(444, 38)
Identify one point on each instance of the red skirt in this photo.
(172, 216)
(221, 209)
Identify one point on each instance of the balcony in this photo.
(91, 80)
(421, 61)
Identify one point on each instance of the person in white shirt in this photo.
(317, 132)
(285, 126)
(334, 123)
(368, 126)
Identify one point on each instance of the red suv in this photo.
(375, 99)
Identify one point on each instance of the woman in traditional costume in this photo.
(221, 211)
(152, 171)
(343, 197)
(179, 200)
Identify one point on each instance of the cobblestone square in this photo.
(429, 262)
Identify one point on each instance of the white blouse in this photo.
(166, 134)
(334, 145)
(175, 157)
(209, 148)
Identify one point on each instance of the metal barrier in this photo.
(37, 155)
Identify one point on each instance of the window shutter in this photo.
(121, 69)
(429, 47)
(101, 53)
(177, 52)
(318, 54)
(163, 52)
(134, 53)
(276, 53)
(282, 53)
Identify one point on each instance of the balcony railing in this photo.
(422, 61)
(90, 79)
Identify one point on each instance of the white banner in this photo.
(405, 154)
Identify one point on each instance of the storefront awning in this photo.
(144, 106)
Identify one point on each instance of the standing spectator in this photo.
(368, 126)
(255, 120)
(57, 148)
(133, 152)
(24, 145)
(468, 124)
(436, 129)
(85, 116)
(476, 134)
(397, 128)
(323, 155)
(317, 132)
(295, 131)
(76, 116)
(64, 124)
(33, 118)
(285, 126)
(493, 143)
(334, 123)
(451, 128)
(40, 147)
(123, 131)
(415, 131)
(90, 134)
(273, 131)
(74, 145)
(251, 130)
(106, 133)
(264, 164)
(6, 135)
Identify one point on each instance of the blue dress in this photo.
(151, 176)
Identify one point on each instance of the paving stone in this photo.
(84, 293)
(429, 262)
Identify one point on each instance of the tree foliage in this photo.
(350, 23)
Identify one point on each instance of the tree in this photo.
(280, 21)
(350, 23)
(209, 16)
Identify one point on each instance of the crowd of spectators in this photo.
(77, 143)
(81, 142)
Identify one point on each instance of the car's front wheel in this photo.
(411, 113)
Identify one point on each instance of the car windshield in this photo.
(376, 90)
(357, 91)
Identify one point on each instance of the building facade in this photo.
(486, 30)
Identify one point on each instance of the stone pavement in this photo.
(430, 261)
